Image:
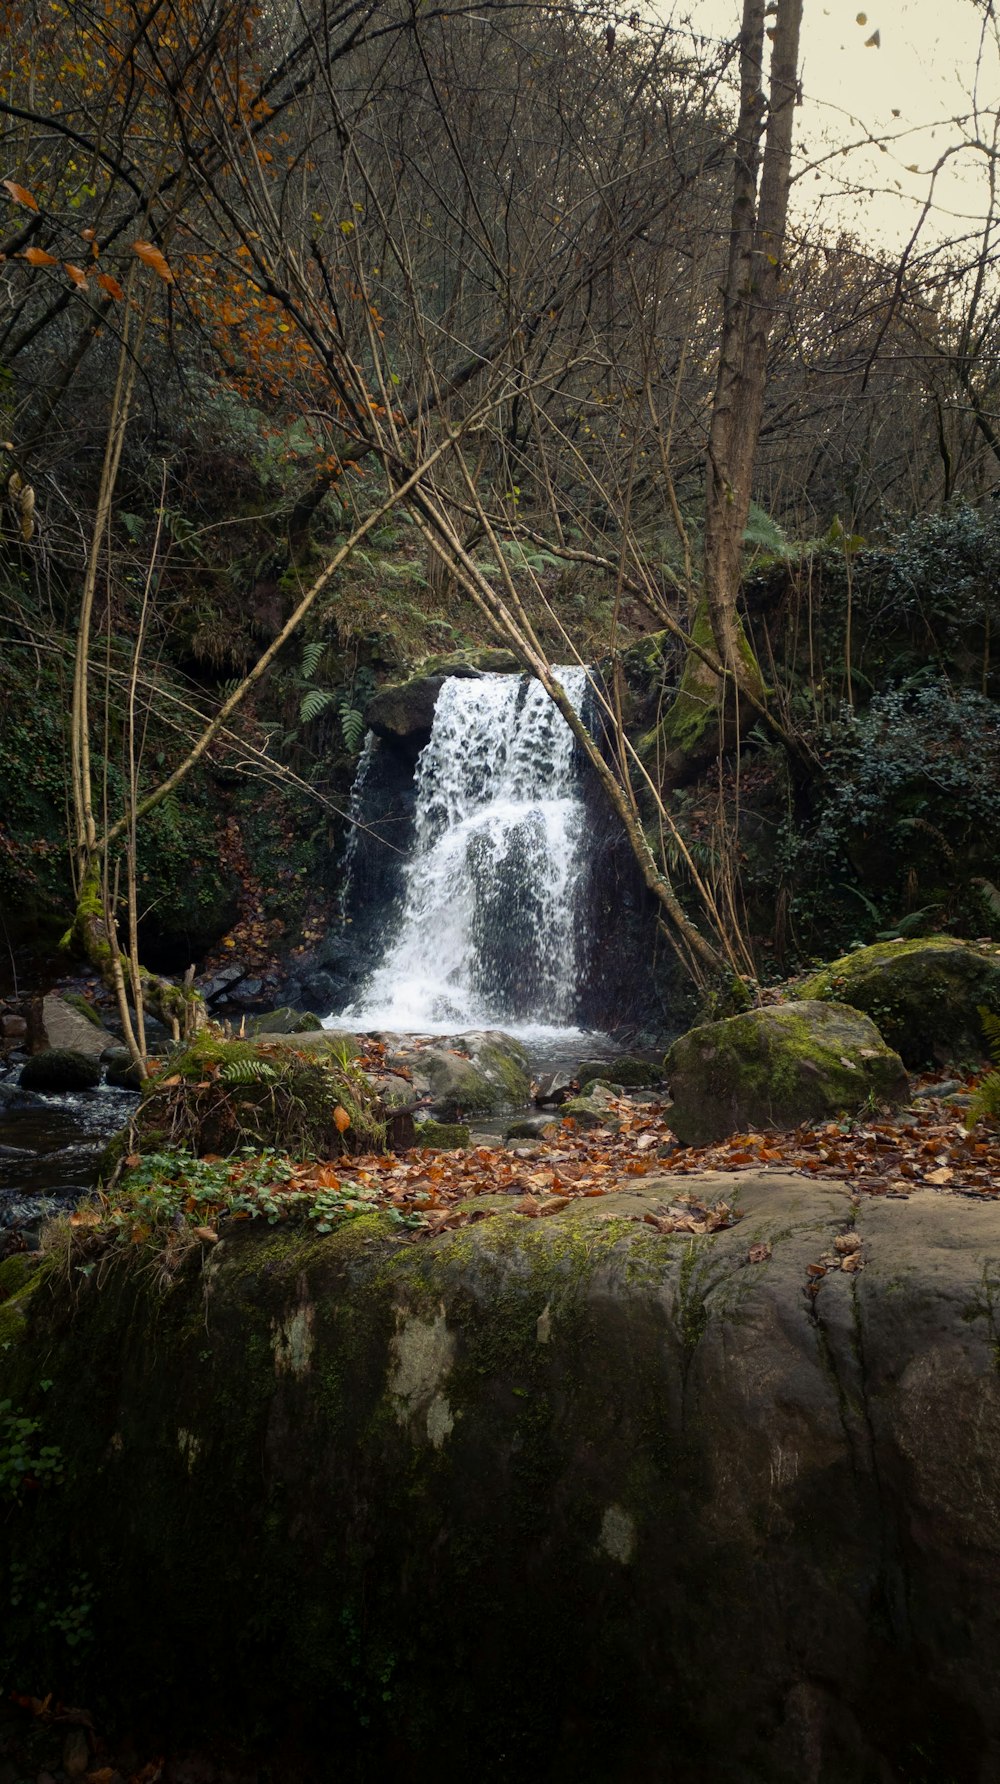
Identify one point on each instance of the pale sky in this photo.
(924, 69)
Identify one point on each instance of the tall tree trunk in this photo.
(756, 242)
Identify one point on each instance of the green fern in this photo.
(248, 1071)
(985, 1104)
(316, 701)
(311, 654)
(352, 725)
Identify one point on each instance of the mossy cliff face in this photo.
(924, 994)
(557, 1499)
(775, 1067)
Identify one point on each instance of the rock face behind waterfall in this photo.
(561, 1499)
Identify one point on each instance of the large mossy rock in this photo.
(483, 1072)
(925, 994)
(61, 1068)
(776, 1067)
(550, 1500)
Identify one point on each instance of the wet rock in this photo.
(62, 1068)
(121, 1070)
(595, 1109)
(484, 1072)
(631, 1072)
(404, 712)
(554, 1088)
(13, 1028)
(13, 1098)
(776, 1067)
(532, 1127)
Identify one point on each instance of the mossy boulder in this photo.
(924, 994)
(443, 1136)
(777, 1067)
(61, 1068)
(483, 1072)
(403, 712)
(595, 1109)
(752, 1535)
(67, 1022)
(218, 1096)
(120, 1069)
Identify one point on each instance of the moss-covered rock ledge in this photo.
(553, 1499)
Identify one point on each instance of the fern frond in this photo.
(248, 1071)
(352, 725)
(311, 654)
(316, 701)
(985, 1105)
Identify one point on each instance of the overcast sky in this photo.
(924, 68)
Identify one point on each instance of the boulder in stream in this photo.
(68, 1023)
(61, 1068)
(484, 1072)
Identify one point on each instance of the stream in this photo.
(49, 1151)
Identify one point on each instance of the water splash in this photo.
(489, 930)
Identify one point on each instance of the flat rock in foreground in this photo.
(546, 1499)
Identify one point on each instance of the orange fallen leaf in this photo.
(341, 1119)
(20, 194)
(38, 257)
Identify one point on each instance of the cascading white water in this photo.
(489, 931)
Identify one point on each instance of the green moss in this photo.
(444, 1136)
(20, 1279)
(689, 730)
(77, 1002)
(220, 1095)
(509, 1064)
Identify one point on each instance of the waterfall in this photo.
(354, 814)
(488, 934)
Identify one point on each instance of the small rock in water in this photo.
(533, 1127)
(554, 1088)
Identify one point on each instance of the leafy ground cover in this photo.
(188, 1199)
